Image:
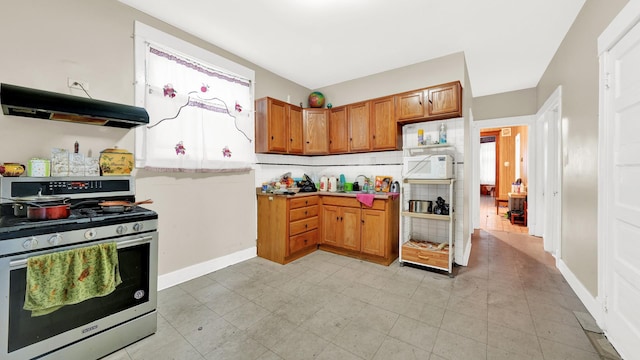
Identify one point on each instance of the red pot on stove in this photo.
(52, 212)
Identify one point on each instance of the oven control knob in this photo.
(137, 227)
(121, 229)
(30, 243)
(55, 239)
(90, 234)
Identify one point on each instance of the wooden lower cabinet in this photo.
(352, 229)
(341, 226)
(287, 227)
(290, 227)
(373, 232)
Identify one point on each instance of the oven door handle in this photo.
(121, 245)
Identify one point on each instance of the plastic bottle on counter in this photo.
(443, 134)
(323, 183)
(420, 137)
(333, 184)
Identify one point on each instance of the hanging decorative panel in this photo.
(200, 116)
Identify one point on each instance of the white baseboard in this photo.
(203, 268)
(593, 305)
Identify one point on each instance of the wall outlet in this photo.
(76, 84)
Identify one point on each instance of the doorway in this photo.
(503, 162)
(530, 147)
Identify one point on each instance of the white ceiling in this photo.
(507, 43)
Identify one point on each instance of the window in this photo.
(200, 107)
(488, 160)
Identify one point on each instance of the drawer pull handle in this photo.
(305, 212)
(423, 257)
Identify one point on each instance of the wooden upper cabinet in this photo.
(338, 130)
(385, 132)
(271, 126)
(359, 127)
(445, 101)
(411, 105)
(295, 130)
(316, 131)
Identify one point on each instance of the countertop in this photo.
(325, 193)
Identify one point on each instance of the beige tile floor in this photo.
(509, 303)
(491, 221)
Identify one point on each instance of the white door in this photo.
(621, 173)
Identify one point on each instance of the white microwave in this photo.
(428, 167)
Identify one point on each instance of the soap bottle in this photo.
(443, 134)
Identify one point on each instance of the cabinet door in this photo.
(277, 119)
(330, 225)
(374, 227)
(410, 105)
(338, 130)
(295, 130)
(359, 127)
(316, 132)
(445, 100)
(350, 227)
(384, 129)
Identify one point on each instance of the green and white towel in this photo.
(70, 277)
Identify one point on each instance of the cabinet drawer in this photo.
(303, 201)
(303, 240)
(340, 201)
(377, 205)
(303, 213)
(300, 226)
(424, 256)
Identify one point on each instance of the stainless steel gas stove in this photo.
(94, 327)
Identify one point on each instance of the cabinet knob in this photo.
(305, 241)
(307, 142)
(430, 102)
(305, 226)
(271, 137)
(305, 212)
(330, 141)
(362, 221)
(291, 140)
(374, 137)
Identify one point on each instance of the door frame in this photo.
(476, 127)
(549, 226)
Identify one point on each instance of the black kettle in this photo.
(395, 187)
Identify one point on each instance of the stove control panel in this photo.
(83, 187)
(34, 244)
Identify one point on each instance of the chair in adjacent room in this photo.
(519, 216)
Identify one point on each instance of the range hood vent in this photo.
(26, 102)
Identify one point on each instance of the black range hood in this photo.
(22, 101)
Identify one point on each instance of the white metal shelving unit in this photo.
(427, 229)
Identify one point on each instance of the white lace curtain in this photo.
(200, 117)
(488, 163)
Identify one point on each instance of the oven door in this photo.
(28, 337)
